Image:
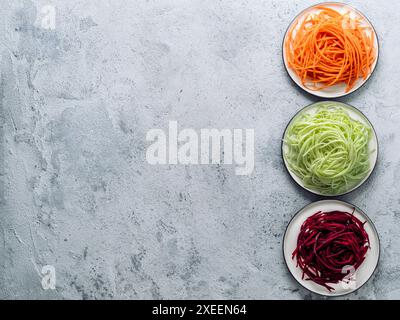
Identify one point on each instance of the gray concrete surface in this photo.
(77, 193)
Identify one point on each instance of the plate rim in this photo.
(315, 93)
(313, 191)
(373, 228)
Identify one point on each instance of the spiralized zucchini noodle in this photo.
(328, 150)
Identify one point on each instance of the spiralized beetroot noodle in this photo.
(328, 243)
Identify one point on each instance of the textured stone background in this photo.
(75, 189)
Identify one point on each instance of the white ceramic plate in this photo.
(356, 115)
(361, 275)
(338, 90)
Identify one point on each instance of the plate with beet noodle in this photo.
(330, 50)
(331, 247)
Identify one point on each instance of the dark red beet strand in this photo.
(328, 242)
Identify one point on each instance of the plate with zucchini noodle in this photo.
(330, 148)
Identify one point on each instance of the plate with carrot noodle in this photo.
(329, 148)
(330, 50)
(331, 247)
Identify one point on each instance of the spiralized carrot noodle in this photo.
(326, 47)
